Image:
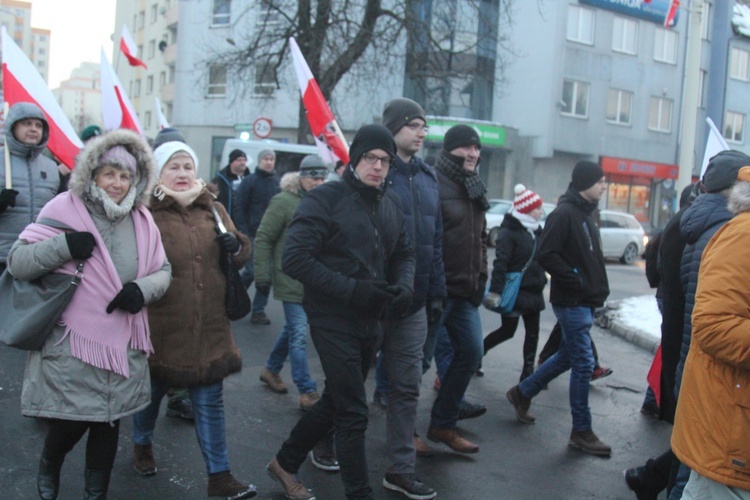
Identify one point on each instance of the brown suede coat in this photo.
(190, 330)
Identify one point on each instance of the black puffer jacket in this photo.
(251, 200)
(514, 248)
(343, 232)
(571, 252)
(698, 225)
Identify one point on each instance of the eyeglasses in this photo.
(372, 159)
(416, 127)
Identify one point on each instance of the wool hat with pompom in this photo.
(526, 200)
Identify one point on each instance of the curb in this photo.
(609, 320)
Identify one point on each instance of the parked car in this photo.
(623, 236)
(497, 211)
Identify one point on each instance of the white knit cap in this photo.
(163, 153)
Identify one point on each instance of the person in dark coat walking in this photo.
(228, 179)
(516, 251)
(348, 246)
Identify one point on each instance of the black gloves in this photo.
(263, 288)
(399, 306)
(8, 198)
(434, 311)
(370, 294)
(81, 244)
(129, 299)
(229, 243)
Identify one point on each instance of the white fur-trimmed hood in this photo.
(739, 198)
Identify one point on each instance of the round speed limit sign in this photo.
(262, 127)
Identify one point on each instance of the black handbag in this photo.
(237, 300)
(29, 310)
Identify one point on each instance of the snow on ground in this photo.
(639, 313)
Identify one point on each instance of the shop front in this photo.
(644, 189)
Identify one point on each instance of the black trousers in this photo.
(506, 331)
(346, 360)
(101, 445)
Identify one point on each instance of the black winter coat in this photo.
(698, 225)
(571, 252)
(514, 248)
(251, 200)
(343, 232)
(224, 182)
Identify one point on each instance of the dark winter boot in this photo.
(48, 478)
(529, 353)
(224, 485)
(97, 484)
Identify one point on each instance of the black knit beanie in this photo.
(371, 137)
(721, 172)
(399, 112)
(236, 153)
(459, 136)
(585, 175)
(168, 134)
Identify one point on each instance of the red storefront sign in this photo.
(639, 168)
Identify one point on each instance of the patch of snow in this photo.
(640, 313)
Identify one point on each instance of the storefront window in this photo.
(631, 195)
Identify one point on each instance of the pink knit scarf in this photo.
(98, 338)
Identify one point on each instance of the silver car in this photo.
(496, 214)
(623, 236)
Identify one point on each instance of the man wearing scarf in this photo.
(463, 204)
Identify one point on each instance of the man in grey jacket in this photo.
(35, 179)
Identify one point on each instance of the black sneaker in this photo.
(651, 409)
(259, 318)
(469, 410)
(409, 485)
(323, 455)
(588, 442)
(181, 408)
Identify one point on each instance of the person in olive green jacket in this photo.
(269, 246)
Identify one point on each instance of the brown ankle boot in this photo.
(143, 460)
(224, 485)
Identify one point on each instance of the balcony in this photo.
(172, 15)
(167, 93)
(170, 54)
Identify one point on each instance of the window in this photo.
(217, 80)
(265, 79)
(575, 98)
(268, 13)
(151, 49)
(42, 51)
(171, 74)
(619, 103)
(733, 125)
(625, 35)
(137, 89)
(665, 46)
(702, 89)
(738, 64)
(705, 18)
(580, 25)
(153, 13)
(141, 19)
(148, 119)
(150, 84)
(660, 115)
(222, 11)
(162, 79)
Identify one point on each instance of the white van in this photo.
(288, 156)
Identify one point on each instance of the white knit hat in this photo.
(164, 152)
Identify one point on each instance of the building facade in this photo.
(80, 96)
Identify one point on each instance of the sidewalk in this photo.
(635, 319)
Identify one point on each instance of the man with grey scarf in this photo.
(463, 203)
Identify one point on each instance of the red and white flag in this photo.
(671, 13)
(23, 83)
(328, 137)
(117, 111)
(129, 48)
(163, 123)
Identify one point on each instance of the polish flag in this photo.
(23, 83)
(163, 123)
(671, 13)
(117, 111)
(654, 375)
(328, 137)
(129, 48)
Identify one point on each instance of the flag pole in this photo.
(8, 178)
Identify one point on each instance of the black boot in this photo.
(529, 353)
(48, 478)
(97, 484)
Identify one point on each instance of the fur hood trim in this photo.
(88, 160)
(739, 198)
(290, 182)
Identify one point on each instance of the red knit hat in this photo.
(526, 200)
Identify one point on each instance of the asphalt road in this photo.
(515, 460)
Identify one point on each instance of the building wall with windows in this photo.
(80, 96)
(15, 15)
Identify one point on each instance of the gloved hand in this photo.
(263, 288)
(229, 243)
(401, 301)
(371, 294)
(8, 198)
(434, 311)
(81, 244)
(492, 301)
(129, 299)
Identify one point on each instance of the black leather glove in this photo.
(434, 311)
(229, 243)
(129, 299)
(371, 294)
(8, 198)
(263, 288)
(399, 306)
(81, 244)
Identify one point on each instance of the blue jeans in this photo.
(292, 342)
(461, 320)
(443, 353)
(208, 408)
(575, 354)
(247, 274)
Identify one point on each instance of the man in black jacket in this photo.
(348, 246)
(571, 252)
(228, 179)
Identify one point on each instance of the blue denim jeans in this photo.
(208, 408)
(292, 342)
(575, 354)
(247, 274)
(461, 320)
(443, 352)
